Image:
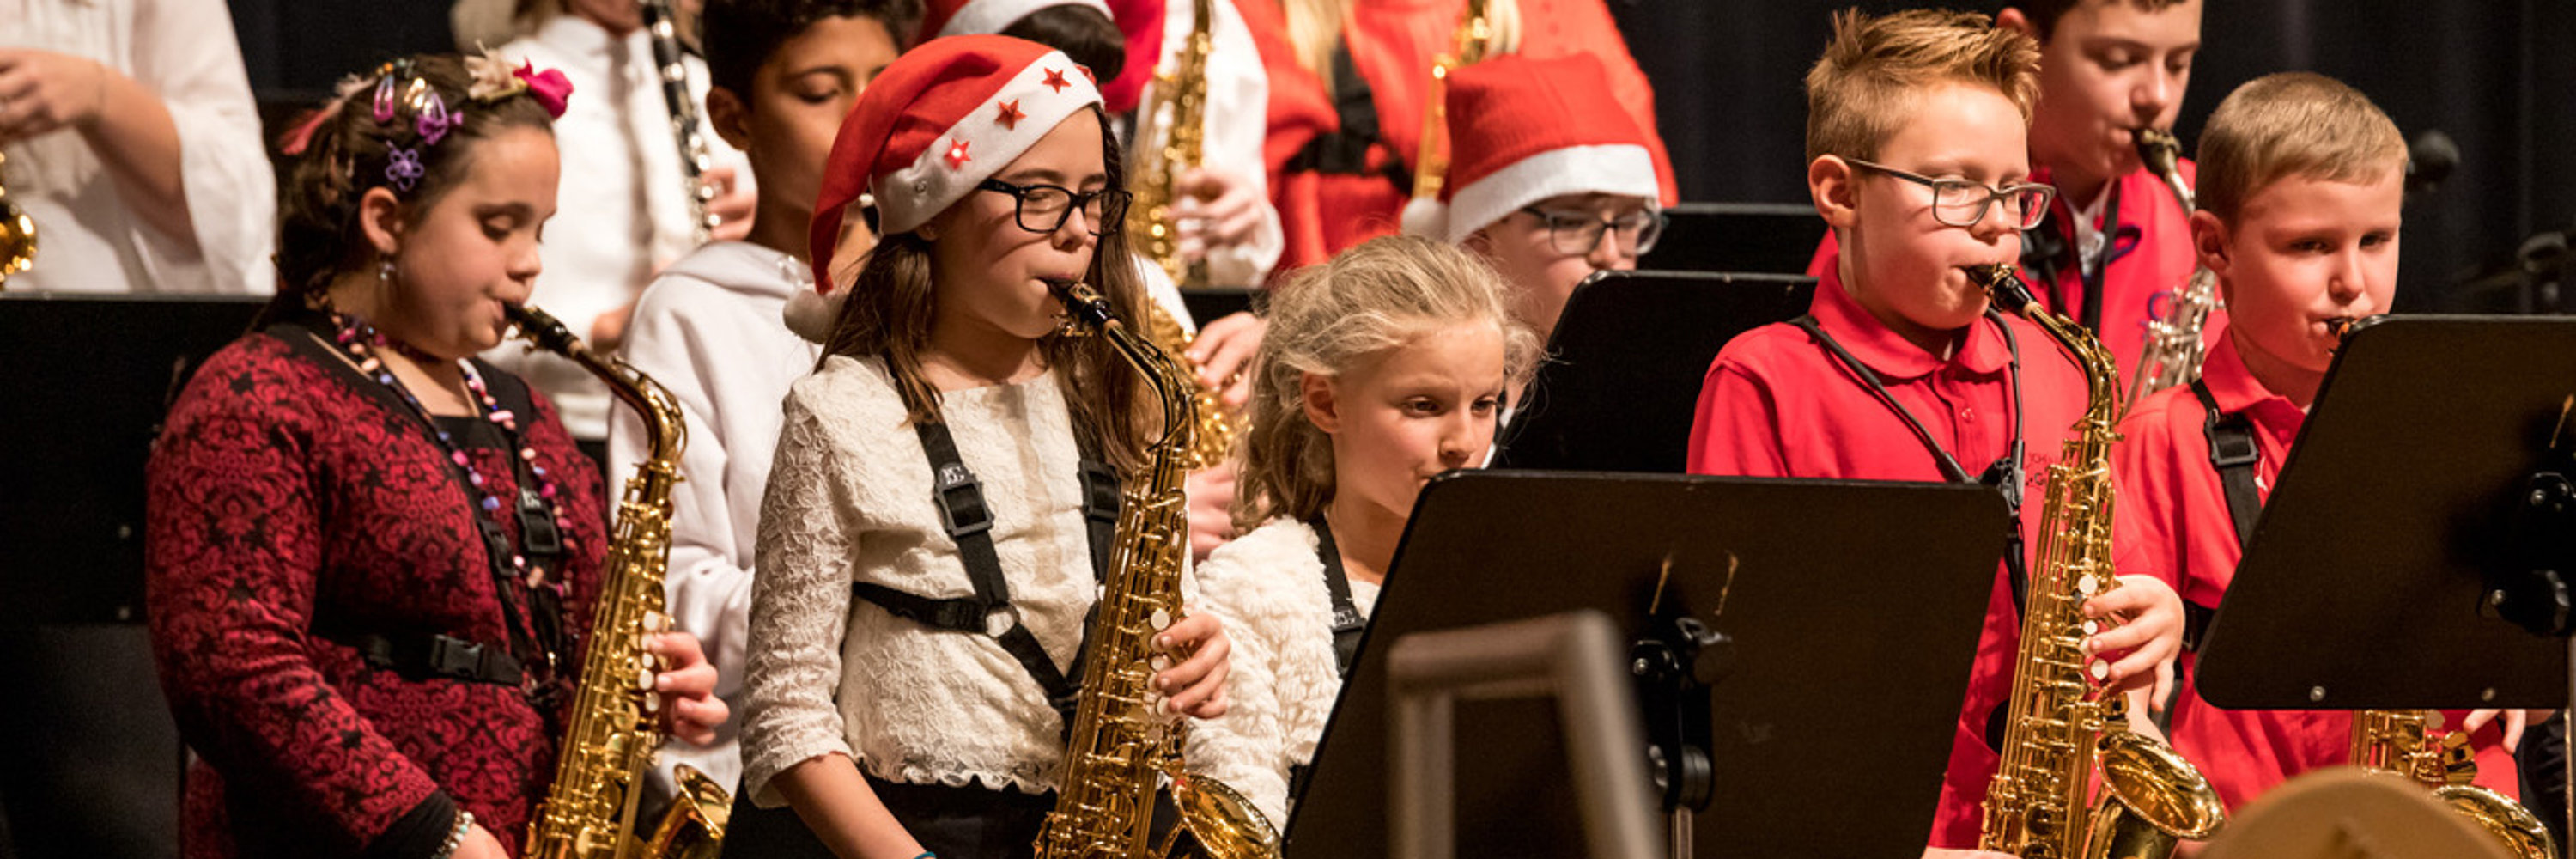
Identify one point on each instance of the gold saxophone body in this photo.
(17, 235)
(1476, 37)
(613, 727)
(1121, 749)
(2173, 351)
(661, 24)
(2060, 730)
(1180, 104)
(2403, 742)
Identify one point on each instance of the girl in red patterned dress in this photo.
(366, 548)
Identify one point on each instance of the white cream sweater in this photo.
(1267, 587)
(850, 500)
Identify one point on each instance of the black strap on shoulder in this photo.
(2004, 474)
(1347, 622)
(2233, 452)
(2101, 272)
(969, 521)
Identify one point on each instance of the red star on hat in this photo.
(1009, 114)
(957, 155)
(1055, 80)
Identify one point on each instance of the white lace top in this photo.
(1267, 587)
(850, 500)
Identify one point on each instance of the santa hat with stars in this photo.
(940, 120)
(943, 18)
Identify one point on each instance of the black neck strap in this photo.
(1347, 622)
(969, 521)
(2233, 453)
(538, 640)
(2004, 474)
(2101, 267)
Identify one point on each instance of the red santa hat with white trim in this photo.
(940, 120)
(1523, 130)
(974, 17)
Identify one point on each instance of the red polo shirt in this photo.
(2158, 259)
(1777, 404)
(2173, 523)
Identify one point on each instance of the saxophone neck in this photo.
(2101, 374)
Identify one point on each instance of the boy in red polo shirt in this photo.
(2116, 237)
(2302, 182)
(1918, 160)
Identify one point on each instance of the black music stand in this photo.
(1833, 624)
(2401, 513)
(89, 379)
(1774, 238)
(1625, 365)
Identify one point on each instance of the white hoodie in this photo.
(709, 329)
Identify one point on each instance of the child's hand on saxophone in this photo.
(2142, 620)
(1196, 686)
(690, 709)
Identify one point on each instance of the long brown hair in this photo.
(891, 304)
(1333, 318)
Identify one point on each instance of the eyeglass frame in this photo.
(1113, 205)
(1656, 222)
(2048, 194)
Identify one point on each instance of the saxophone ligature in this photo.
(2404, 743)
(613, 725)
(2175, 319)
(17, 233)
(661, 24)
(1122, 751)
(2061, 731)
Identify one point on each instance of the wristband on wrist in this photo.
(455, 836)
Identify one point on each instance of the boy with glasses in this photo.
(1916, 130)
(1549, 180)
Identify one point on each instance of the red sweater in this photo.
(290, 496)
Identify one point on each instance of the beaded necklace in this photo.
(540, 522)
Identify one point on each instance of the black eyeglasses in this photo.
(1961, 203)
(1044, 208)
(1578, 233)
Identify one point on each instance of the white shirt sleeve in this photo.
(800, 606)
(184, 50)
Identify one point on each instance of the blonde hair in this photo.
(1332, 318)
(1315, 29)
(1861, 90)
(2292, 124)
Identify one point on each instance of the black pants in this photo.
(972, 822)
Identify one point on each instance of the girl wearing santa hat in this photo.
(940, 501)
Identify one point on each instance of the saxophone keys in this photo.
(2087, 585)
(1160, 620)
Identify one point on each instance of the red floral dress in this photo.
(291, 499)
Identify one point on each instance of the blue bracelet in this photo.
(927, 855)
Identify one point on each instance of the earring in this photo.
(385, 271)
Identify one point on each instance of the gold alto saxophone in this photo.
(613, 726)
(661, 23)
(2173, 351)
(2403, 742)
(17, 235)
(2060, 730)
(1121, 749)
(1180, 103)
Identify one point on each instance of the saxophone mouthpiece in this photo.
(2341, 327)
(2003, 285)
(2161, 151)
(1085, 310)
(541, 328)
